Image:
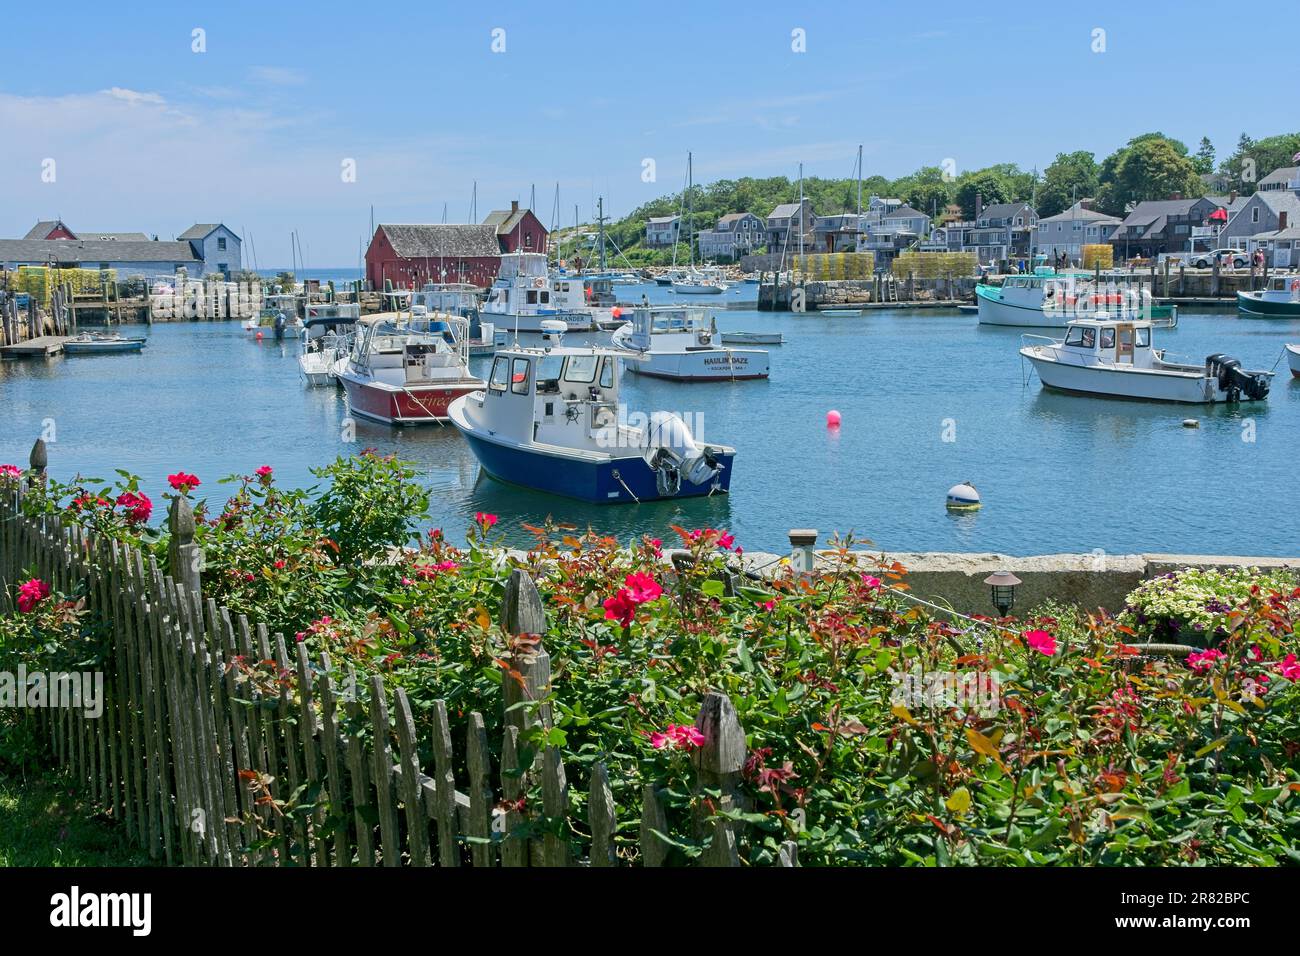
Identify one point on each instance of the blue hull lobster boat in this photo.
(550, 419)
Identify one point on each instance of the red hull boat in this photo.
(406, 368)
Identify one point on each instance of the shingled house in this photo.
(410, 255)
(518, 230)
(200, 250)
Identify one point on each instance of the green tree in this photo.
(987, 184)
(1071, 176)
(925, 189)
(1255, 159)
(1151, 167)
(1204, 158)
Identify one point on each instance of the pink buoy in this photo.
(833, 419)
(259, 336)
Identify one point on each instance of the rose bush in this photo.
(1089, 753)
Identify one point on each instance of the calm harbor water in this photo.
(928, 398)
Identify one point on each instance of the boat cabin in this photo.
(665, 326)
(1282, 288)
(599, 292)
(560, 396)
(414, 348)
(275, 303)
(1109, 342)
(454, 298)
(522, 286)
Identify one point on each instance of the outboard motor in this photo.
(673, 453)
(1234, 380)
(280, 323)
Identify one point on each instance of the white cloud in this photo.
(277, 75)
(133, 161)
(133, 96)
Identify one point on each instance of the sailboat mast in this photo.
(690, 209)
(555, 224)
(857, 226)
(801, 214)
(600, 221)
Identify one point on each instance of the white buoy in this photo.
(963, 497)
(1191, 423)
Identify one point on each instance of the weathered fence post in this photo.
(39, 460)
(522, 614)
(718, 762)
(184, 557)
(529, 679)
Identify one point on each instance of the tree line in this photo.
(1149, 166)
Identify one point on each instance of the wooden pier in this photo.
(43, 346)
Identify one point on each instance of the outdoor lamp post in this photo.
(1002, 587)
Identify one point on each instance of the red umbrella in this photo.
(1220, 214)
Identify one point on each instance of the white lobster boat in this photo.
(679, 344)
(1293, 357)
(326, 337)
(698, 284)
(1116, 359)
(549, 418)
(525, 295)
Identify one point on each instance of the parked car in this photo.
(1205, 260)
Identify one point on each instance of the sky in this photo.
(281, 117)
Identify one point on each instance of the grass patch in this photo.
(45, 822)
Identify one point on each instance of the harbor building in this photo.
(411, 254)
(736, 234)
(1157, 226)
(1069, 231)
(518, 230)
(200, 250)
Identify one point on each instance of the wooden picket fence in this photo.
(202, 769)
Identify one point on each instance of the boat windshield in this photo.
(581, 369)
(1082, 336)
(433, 336)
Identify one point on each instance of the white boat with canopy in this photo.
(680, 344)
(406, 367)
(1116, 359)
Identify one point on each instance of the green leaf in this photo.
(960, 801)
(1212, 746)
